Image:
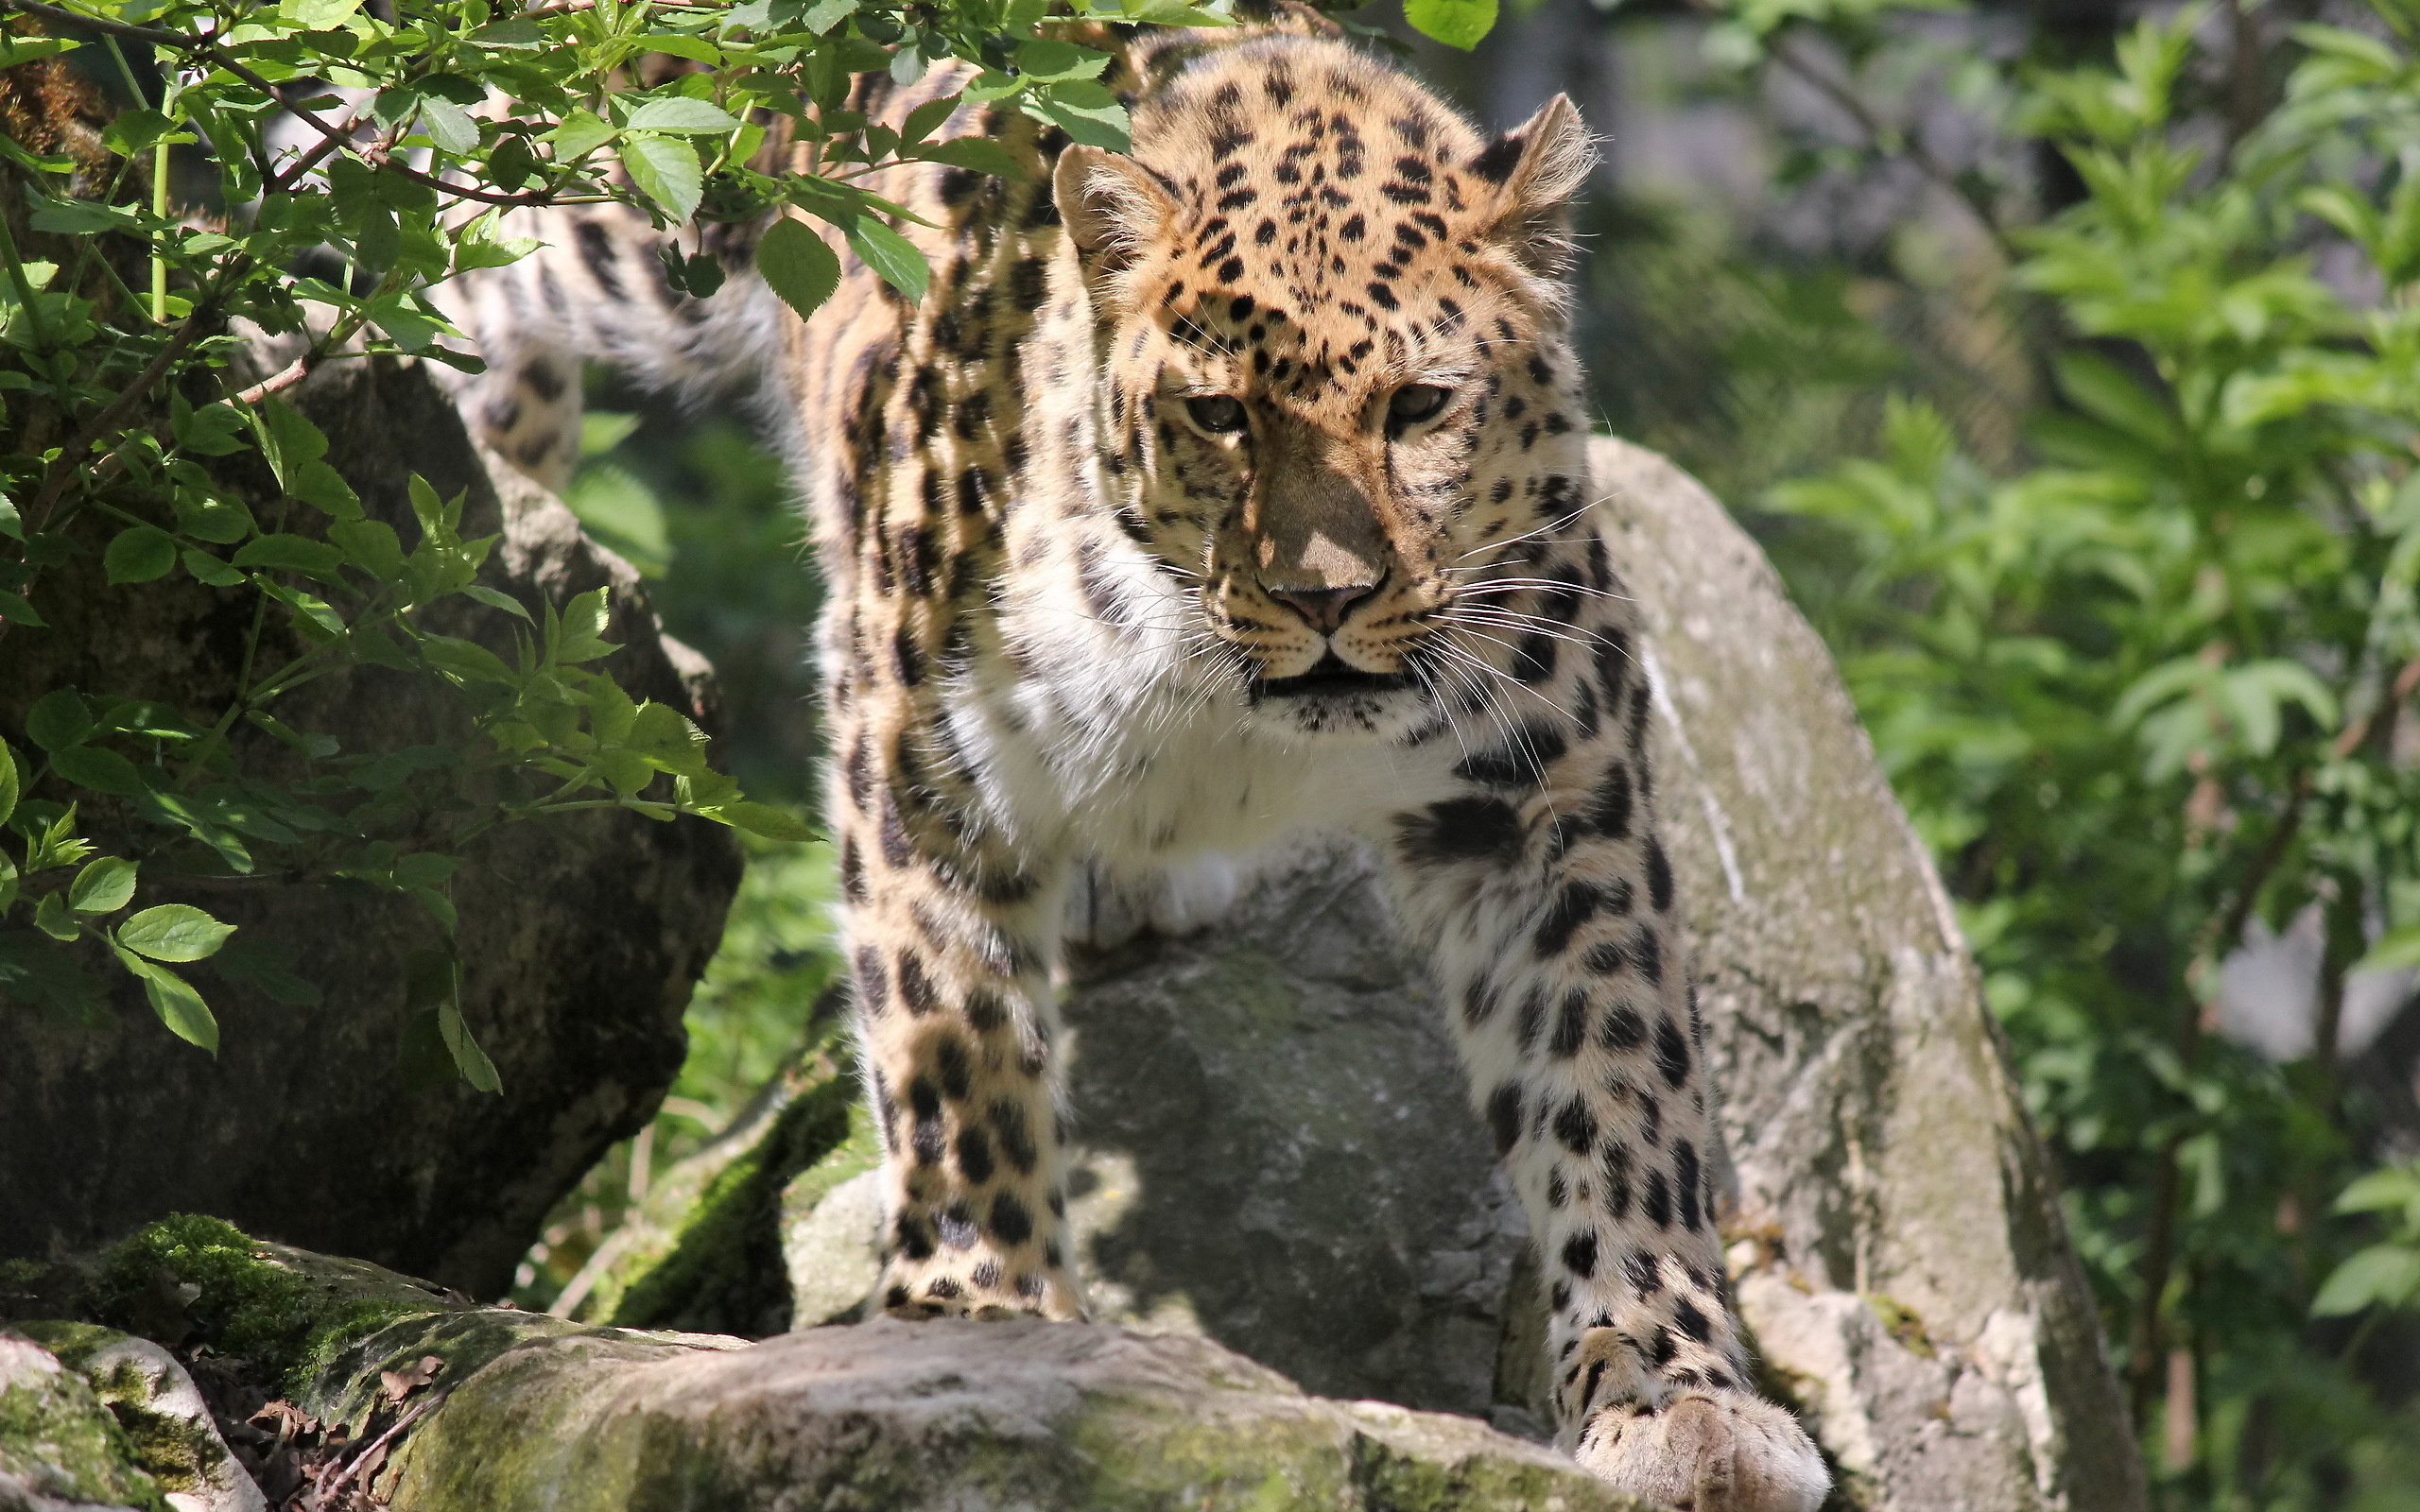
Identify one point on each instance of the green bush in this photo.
(2152, 682)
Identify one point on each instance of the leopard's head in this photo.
(1342, 410)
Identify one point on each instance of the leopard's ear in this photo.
(1535, 169)
(1113, 206)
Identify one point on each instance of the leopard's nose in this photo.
(1323, 609)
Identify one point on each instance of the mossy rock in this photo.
(289, 1312)
(59, 1443)
(971, 1416)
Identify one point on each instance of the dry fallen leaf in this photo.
(397, 1384)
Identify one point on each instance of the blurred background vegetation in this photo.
(2065, 357)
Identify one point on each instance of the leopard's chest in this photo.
(1137, 770)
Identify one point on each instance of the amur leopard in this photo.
(1227, 490)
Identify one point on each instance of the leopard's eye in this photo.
(1414, 403)
(1217, 413)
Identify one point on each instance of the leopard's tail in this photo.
(597, 290)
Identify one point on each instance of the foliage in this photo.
(2387, 1274)
(420, 124)
(2151, 683)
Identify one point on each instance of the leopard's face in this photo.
(1340, 398)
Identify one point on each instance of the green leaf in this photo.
(798, 265)
(290, 552)
(680, 116)
(174, 1000)
(82, 217)
(469, 1058)
(104, 886)
(17, 611)
(15, 50)
(220, 522)
(12, 523)
(2397, 948)
(611, 712)
(1456, 23)
(926, 118)
(318, 15)
(102, 770)
(666, 170)
(285, 438)
(59, 719)
(492, 598)
(823, 15)
(578, 631)
(1084, 109)
(581, 132)
(449, 126)
(890, 254)
(371, 545)
(174, 932)
(468, 660)
(2397, 1186)
(981, 154)
(668, 739)
(9, 785)
(765, 820)
(2385, 1275)
(52, 918)
(1047, 60)
(140, 554)
(209, 569)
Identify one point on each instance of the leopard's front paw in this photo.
(1707, 1451)
(962, 1285)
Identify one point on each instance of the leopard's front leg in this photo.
(1553, 909)
(948, 934)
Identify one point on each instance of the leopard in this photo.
(1219, 493)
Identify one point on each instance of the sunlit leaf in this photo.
(174, 932)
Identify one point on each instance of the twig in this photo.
(353, 1466)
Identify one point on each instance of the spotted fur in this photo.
(1231, 491)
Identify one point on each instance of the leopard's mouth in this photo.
(1332, 677)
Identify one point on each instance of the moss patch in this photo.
(243, 1297)
(724, 1273)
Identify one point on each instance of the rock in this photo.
(581, 935)
(455, 1408)
(60, 1448)
(174, 1437)
(1273, 1146)
(1899, 1249)
(959, 1416)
